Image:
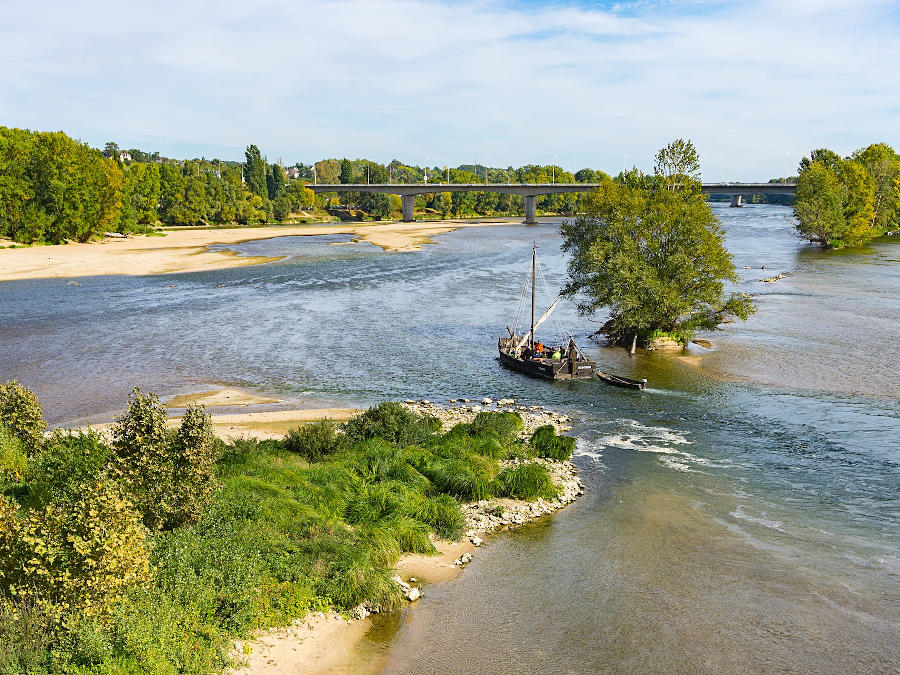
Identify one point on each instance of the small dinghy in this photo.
(619, 381)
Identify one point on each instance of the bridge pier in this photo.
(737, 201)
(409, 208)
(530, 209)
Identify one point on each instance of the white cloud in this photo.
(755, 85)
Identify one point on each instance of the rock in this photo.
(486, 401)
(409, 401)
(475, 408)
(413, 594)
(402, 584)
(476, 541)
(425, 401)
(359, 612)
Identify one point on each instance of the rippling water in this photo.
(742, 515)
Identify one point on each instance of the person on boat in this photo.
(527, 353)
(572, 350)
(539, 350)
(556, 355)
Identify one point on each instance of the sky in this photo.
(755, 85)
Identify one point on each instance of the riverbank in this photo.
(187, 250)
(329, 642)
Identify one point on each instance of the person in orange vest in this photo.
(539, 350)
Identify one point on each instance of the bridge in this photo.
(530, 191)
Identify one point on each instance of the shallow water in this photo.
(741, 515)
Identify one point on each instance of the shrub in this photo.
(79, 556)
(67, 462)
(13, 456)
(546, 443)
(169, 476)
(526, 481)
(315, 440)
(21, 412)
(389, 420)
(505, 425)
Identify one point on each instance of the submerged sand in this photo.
(187, 250)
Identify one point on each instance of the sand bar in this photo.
(220, 398)
(261, 425)
(187, 250)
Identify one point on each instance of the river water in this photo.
(743, 514)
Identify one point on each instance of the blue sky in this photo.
(755, 85)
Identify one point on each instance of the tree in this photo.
(677, 164)
(883, 166)
(275, 181)
(111, 150)
(346, 171)
(169, 478)
(835, 201)
(255, 171)
(21, 413)
(654, 257)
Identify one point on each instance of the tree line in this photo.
(848, 201)
(54, 188)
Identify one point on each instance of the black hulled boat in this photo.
(563, 361)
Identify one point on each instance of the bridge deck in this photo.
(533, 189)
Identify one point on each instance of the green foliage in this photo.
(67, 463)
(526, 481)
(441, 512)
(13, 456)
(282, 536)
(22, 414)
(255, 171)
(545, 443)
(54, 188)
(654, 257)
(834, 203)
(848, 202)
(390, 421)
(504, 425)
(678, 165)
(75, 556)
(168, 476)
(315, 440)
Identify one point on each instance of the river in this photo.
(742, 514)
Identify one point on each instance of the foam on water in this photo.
(759, 520)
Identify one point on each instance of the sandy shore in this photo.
(187, 250)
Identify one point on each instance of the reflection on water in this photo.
(742, 514)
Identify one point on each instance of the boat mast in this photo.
(533, 257)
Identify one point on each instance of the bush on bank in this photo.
(150, 553)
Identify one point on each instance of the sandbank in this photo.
(261, 425)
(187, 249)
(220, 398)
(318, 643)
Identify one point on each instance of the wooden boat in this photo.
(523, 354)
(619, 381)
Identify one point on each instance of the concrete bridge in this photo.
(530, 191)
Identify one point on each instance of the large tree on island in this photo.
(650, 249)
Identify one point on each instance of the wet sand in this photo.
(187, 250)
